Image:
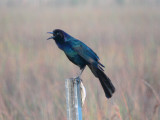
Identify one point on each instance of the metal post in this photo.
(73, 99)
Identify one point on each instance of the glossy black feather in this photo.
(81, 55)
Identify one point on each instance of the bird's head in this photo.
(58, 35)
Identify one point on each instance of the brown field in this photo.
(33, 70)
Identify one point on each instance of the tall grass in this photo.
(33, 69)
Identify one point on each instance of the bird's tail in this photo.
(106, 83)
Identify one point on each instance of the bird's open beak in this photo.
(52, 37)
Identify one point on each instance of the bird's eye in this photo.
(58, 34)
(55, 34)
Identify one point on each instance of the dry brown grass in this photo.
(33, 70)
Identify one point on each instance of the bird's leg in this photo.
(80, 73)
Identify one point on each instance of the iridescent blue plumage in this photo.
(81, 55)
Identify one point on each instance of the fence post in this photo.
(73, 99)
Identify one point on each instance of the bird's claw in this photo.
(77, 79)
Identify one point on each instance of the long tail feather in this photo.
(106, 83)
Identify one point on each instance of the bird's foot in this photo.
(79, 75)
(77, 79)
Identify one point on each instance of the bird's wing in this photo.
(86, 53)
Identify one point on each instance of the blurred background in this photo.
(124, 33)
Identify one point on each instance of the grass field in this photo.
(33, 70)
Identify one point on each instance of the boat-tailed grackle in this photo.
(81, 55)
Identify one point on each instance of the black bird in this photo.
(81, 55)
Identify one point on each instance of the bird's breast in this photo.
(74, 57)
(70, 52)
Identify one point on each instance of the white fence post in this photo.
(73, 99)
